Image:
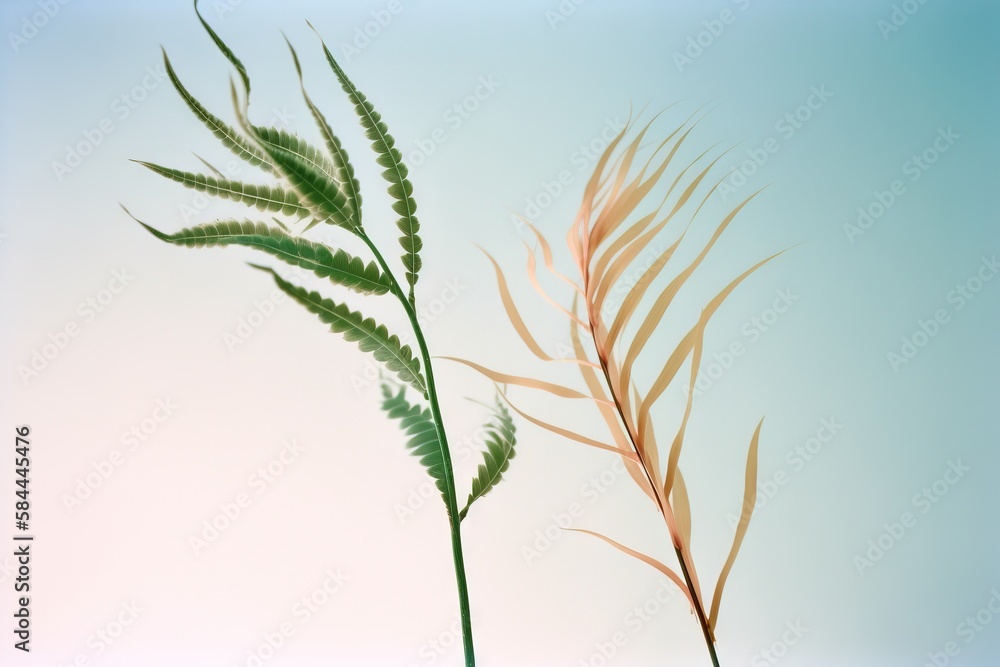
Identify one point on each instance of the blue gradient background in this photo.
(559, 84)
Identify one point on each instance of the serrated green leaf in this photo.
(424, 442)
(337, 265)
(226, 51)
(394, 172)
(309, 173)
(262, 197)
(239, 145)
(500, 443)
(356, 328)
(343, 170)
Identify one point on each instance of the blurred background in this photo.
(212, 475)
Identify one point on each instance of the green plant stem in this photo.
(452, 500)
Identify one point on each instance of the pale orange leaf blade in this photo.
(504, 378)
(691, 339)
(655, 315)
(513, 314)
(682, 509)
(609, 414)
(533, 279)
(558, 430)
(749, 500)
(648, 560)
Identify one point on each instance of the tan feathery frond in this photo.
(613, 226)
(610, 416)
(629, 254)
(624, 239)
(638, 291)
(622, 205)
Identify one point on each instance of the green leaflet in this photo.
(417, 423)
(262, 197)
(369, 336)
(309, 173)
(226, 51)
(211, 167)
(227, 134)
(395, 172)
(343, 170)
(500, 443)
(340, 267)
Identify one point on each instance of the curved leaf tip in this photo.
(500, 443)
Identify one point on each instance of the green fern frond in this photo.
(271, 198)
(337, 265)
(394, 172)
(356, 328)
(500, 442)
(228, 135)
(343, 170)
(418, 423)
